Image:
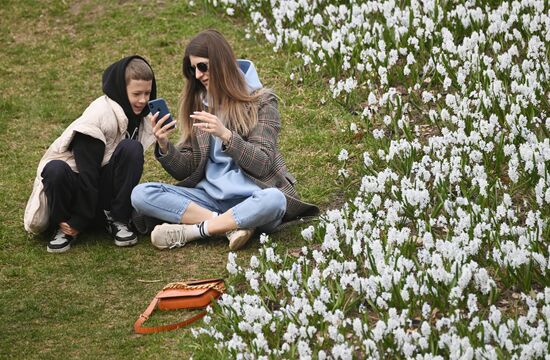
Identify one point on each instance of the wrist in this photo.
(226, 137)
(163, 147)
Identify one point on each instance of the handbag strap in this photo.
(154, 329)
(216, 284)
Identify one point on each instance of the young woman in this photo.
(90, 170)
(232, 178)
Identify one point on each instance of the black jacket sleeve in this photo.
(88, 153)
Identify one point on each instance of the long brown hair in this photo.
(228, 95)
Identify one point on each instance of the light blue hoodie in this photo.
(223, 178)
(250, 74)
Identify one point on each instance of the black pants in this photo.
(117, 179)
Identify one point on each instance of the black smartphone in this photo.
(159, 105)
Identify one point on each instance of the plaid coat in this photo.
(257, 155)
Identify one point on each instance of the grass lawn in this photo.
(82, 304)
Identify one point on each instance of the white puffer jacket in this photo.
(105, 120)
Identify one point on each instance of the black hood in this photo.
(114, 86)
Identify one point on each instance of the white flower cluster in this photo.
(450, 222)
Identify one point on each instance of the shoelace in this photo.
(177, 238)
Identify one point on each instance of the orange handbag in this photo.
(193, 294)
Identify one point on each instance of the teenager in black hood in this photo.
(93, 166)
(114, 86)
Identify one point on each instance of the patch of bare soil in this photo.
(83, 7)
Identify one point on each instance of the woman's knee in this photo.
(275, 201)
(139, 194)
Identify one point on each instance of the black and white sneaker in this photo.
(61, 242)
(123, 233)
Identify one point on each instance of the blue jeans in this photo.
(263, 210)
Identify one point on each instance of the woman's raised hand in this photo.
(211, 124)
(162, 131)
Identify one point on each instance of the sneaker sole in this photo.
(126, 242)
(240, 241)
(58, 250)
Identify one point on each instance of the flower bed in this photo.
(445, 250)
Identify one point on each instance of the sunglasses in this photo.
(202, 66)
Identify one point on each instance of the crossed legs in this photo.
(263, 209)
(195, 214)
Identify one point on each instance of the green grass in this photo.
(82, 304)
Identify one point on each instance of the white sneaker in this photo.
(61, 242)
(123, 233)
(238, 238)
(169, 236)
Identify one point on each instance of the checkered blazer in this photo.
(257, 155)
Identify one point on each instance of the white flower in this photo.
(260, 342)
(232, 266)
(367, 160)
(343, 156)
(272, 278)
(472, 304)
(447, 83)
(484, 282)
(271, 256)
(254, 284)
(254, 262)
(372, 100)
(342, 351)
(307, 233)
(264, 239)
(427, 96)
(378, 133)
(236, 343)
(317, 20)
(319, 307)
(291, 333)
(343, 173)
(304, 350)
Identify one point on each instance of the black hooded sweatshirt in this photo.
(88, 151)
(114, 86)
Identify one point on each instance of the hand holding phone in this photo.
(159, 105)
